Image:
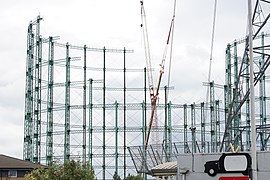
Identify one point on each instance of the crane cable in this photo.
(171, 50)
(147, 50)
(211, 50)
(154, 95)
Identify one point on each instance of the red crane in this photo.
(153, 92)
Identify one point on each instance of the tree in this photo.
(69, 170)
(132, 177)
(116, 176)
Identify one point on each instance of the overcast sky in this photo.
(116, 24)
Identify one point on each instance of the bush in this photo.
(116, 176)
(67, 171)
(132, 177)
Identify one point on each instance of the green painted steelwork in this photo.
(28, 119)
(144, 118)
(248, 132)
(186, 148)
(213, 118)
(63, 108)
(170, 142)
(236, 120)
(37, 98)
(116, 138)
(262, 97)
(90, 129)
(193, 128)
(104, 117)
(143, 130)
(228, 96)
(125, 114)
(49, 139)
(165, 121)
(217, 115)
(84, 106)
(202, 128)
(67, 107)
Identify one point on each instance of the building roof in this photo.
(7, 162)
(165, 169)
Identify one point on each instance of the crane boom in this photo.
(153, 93)
(154, 97)
(147, 50)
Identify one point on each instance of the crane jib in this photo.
(154, 93)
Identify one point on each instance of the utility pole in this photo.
(252, 103)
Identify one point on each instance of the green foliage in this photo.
(67, 171)
(132, 177)
(116, 176)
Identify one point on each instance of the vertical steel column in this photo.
(193, 127)
(39, 97)
(144, 126)
(202, 127)
(248, 132)
(104, 118)
(28, 121)
(226, 114)
(84, 105)
(228, 95)
(49, 138)
(262, 98)
(236, 120)
(165, 141)
(213, 119)
(143, 137)
(185, 129)
(90, 129)
(67, 107)
(145, 107)
(217, 115)
(116, 128)
(125, 118)
(170, 130)
(37, 93)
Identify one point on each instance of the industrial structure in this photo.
(93, 104)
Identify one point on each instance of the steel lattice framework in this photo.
(237, 86)
(92, 104)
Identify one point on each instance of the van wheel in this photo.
(211, 172)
